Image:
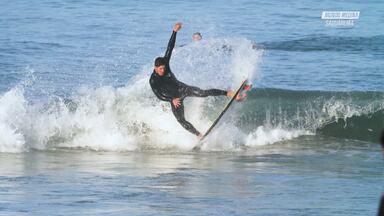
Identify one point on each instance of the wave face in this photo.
(354, 115)
(367, 127)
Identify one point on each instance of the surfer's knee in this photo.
(179, 116)
(216, 92)
(202, 93)
(197, 92)
(185, 124)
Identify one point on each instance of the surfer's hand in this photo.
(177, 26)
(176, 102)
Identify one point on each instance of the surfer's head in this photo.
(197, 36)
(160, 65)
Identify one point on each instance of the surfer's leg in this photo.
(197, 92)
(179, 114)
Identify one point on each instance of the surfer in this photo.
(167, 88)
(197, 36)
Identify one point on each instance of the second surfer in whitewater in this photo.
(167, 88)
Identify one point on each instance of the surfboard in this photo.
(243, 84)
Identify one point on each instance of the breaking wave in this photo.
(131, 118)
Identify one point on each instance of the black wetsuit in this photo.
(167, 88)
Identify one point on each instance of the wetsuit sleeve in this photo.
(157, 93)
(171, 45)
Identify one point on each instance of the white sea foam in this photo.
(12, 114)
(264, 136)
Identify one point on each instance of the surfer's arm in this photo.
(171, 45)
(172, 42)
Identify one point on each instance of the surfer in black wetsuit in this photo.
(167, 88)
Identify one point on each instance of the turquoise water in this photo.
(81, 132)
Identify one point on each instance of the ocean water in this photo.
(82, 133)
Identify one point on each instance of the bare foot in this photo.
(200, 136)
(239, 97)
(230, 93)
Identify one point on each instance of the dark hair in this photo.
(382, 139)
(160, 61)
